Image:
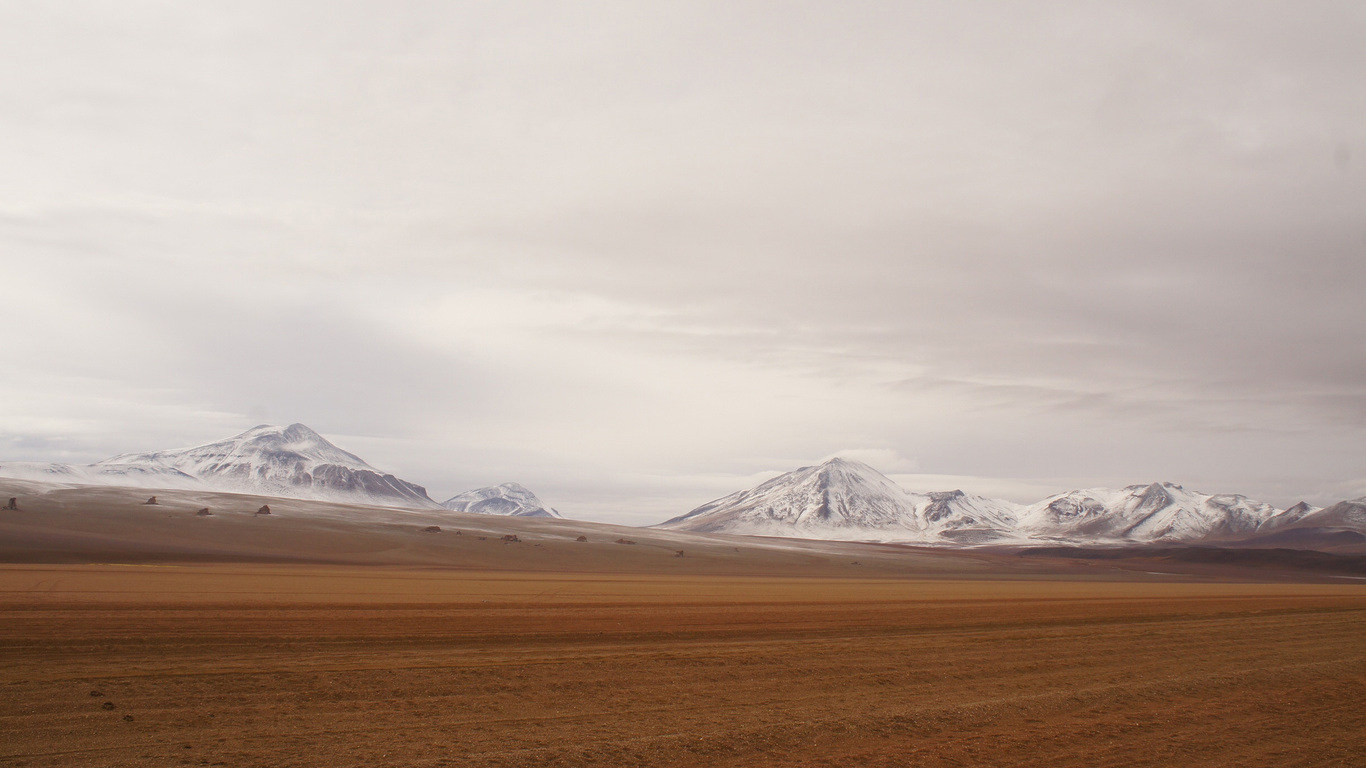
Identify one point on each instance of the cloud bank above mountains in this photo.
(636, 258)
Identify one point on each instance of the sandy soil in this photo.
(296, 665)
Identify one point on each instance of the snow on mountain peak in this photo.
(846, 499)
(296, 441)
(510, 499)
(292, 461)
(1153, 512)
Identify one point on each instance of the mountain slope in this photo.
(837, 495)
(844, 499)
(292, 461)
(1347, 515)
(508, 499)
(1144, 513)
(103, 473)
(1340, 526)
(954, 516)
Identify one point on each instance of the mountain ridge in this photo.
(798, 503)
(844, 499)
(839, 499)
(292, 462)
(507, 499)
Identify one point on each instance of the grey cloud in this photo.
(632, 242)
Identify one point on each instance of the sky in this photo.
(636, 256)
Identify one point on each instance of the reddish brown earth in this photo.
(294, 665)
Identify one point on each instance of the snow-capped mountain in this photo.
(954, 516)
(291, 461)
(844, 499)
(1289, 516)
(102, 473)
(1343, 516)
(839, 495)
(1304, 527)
(507, 499)
(1156, 512)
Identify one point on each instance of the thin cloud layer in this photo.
(620, 254)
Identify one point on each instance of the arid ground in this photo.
(294, 665)
(332, 635)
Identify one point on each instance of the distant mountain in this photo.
(508, 499)
(1344, 514)
(1342, 525)
(1156, 512)
(291, 461)
(101, 473)
(843, 499)
(837, 496)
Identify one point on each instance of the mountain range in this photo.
(849, 500)
(839, 499)
(293, 462)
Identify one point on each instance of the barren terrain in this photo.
(330, 635)
(309, 665)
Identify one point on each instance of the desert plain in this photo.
(138, 635)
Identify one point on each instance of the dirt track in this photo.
(270, 665)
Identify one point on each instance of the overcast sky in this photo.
(637, 255)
